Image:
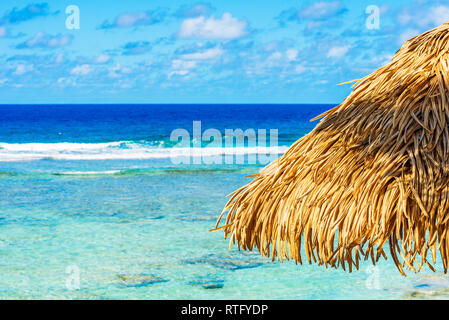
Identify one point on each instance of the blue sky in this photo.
(173, 51)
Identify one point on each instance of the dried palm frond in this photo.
(375, 170)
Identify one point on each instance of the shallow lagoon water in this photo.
(147, 237)
(139, 229)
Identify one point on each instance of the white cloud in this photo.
(182, 64)
(102, 58)
(59, 42)
(227, 27)
(2, 32)
(337, 52)
(178, 72)
(271, 46)
(272, 61)
(117, 70)
(66, 82)
(189, 61)
(22, 69)
(435, 16)
(130, 19)
(275, 56)
(423, 16)
(321, 10)
(300, 69)
(59, 58)
(126, 70)
(204, 55)
(3, 81)
(38, 38)
(81, 70)
(43, 40)
(291, 54)
(182, 67)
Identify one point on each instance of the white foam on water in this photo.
(76, 173)
(120, 150)
(61, 146)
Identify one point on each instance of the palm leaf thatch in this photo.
(373, 175)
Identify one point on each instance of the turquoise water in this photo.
(139, 229)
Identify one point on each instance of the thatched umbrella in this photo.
(375, 170)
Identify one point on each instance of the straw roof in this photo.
(373, 176)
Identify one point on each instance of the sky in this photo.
(223, 51)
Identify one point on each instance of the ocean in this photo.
(105, 202)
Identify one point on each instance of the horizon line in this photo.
(189, 103)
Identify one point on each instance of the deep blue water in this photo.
(107, 123)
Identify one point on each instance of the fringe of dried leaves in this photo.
(375, 170)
